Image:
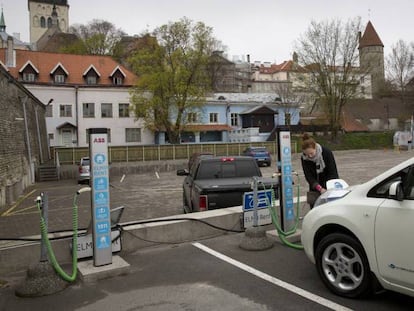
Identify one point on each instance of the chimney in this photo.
(248, 58)
(10, 52)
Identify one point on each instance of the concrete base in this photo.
(88, 273)
(41, 280)
(255, 239)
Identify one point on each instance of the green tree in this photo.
(99, 37)
(328, 50)
(173, 80)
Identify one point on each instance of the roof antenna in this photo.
(369, 14)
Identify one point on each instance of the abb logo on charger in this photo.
(99, 140)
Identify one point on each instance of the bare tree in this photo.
(328, 51)
(400, 66)
(290, 99)
(99, 37)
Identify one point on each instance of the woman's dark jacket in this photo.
(330, 171)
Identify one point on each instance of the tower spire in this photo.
(2, 23)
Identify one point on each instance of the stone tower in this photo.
(42, 14)
(371, 57)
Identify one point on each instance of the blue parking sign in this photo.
(264, 199)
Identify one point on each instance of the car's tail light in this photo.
(203, 203)
(80, 169)
(227, 159)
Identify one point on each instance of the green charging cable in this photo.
(283, 234)
(52, 257)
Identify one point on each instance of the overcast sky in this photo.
(264, 29)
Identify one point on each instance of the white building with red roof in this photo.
(81, 92)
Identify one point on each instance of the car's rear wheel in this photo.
(343, 266)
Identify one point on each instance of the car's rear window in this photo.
(85, 162)
(226, 169)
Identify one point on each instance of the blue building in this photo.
(238, 117)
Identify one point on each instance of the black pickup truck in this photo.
(217, 182)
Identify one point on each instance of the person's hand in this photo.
(322, 190)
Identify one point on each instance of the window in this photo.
(49, 22)
(117, 80)
(51, 136)
(29, 77)
(123, 110)
(59, 78)
(382, 189)
(133, 135)
(42, 22)
(213, 117)
(90, 79)
(106, 110)
(192, 117)
(88, 110)
(49, 111)
(65, 110)
(234, 119)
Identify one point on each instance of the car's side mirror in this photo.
(183, 172)
(396, 191)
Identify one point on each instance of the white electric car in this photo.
(361, 237)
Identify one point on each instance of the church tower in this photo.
(371, 57)
(42, 14)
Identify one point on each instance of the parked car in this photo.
(261, 154)
(360, 237)
(196, 155)
(83, 170)
(219, 182)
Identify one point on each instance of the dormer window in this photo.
(118, 76)
(59, 74)
(29, 72)
(118, 80)
(91, 75)
(29, 77)
(91, 79)
(59, 78)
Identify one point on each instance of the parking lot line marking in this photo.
(292, 288)
(6, 213)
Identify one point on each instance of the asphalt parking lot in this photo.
(159, 193)
(213, 274)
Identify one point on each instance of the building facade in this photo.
(41, 16)
(238, 117)
(23, 143)
(80, 92)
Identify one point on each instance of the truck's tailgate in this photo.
(229, 192)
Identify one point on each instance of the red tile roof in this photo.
(76, 65)
(370, 37)
(350, 124)
(286, 66)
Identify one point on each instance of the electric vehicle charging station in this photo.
(284, 166)
(99, 179)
